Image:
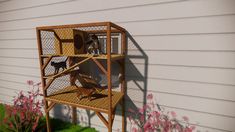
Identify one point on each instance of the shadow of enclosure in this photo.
(136, 81)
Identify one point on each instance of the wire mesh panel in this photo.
(58, 84)
(48, 42)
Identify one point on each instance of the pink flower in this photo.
(131, 110)
(142, 118)
(155, 114)
(173, 114)
(141, 110)
(134, 130)
(22, 115)
(150, 96)
(146, 107)
(147, 126)
(185, 118)
(39, 83)
(188, 130)
(192, 127)
(30, 82)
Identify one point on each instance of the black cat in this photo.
(58, 65)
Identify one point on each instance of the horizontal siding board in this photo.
(19, 62)
(73, 6)
(200, 90)
(179, 8)
(5, 99)
(224, 42)
(20, 70)
(18, 78)
(117, 16)
(172, 27)
(19, 44)
(19, 53)
(212, 42)
(12, 5)
(189, 26)
(14, 85)
(184, 58)
(216, 106)
(196, 74)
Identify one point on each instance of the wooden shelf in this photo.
(101, 57)
(99, 102)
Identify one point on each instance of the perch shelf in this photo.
(99, 102)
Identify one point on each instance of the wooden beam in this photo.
(100, 66)
(66, 40)
(47, 62)
(43, 80)
(109, 79)
(102, 119)
(113, 115)
(74, 115)
(48, 84)
(50, 106)
(60, 43)
(117, 27)
(73, 25)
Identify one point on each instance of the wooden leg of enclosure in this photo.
(110, 122)
(47, 117)
(123, 115)
(74, 112)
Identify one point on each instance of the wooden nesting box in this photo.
(70, 41)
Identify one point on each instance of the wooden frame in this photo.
(112, 99)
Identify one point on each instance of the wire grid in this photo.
(47, 41)
(58, 84)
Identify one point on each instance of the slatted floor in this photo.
(99, 101)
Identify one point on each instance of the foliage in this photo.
(157, 120)
(62, 126)
(25, 114)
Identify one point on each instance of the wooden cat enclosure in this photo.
(69, 68)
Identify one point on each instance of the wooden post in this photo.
(108, 46)
(123, 83)
(74, 109)
(43, 80)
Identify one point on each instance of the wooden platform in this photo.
(102, 57)
(99, 102)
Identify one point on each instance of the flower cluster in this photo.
(25, 114)
(153, 118)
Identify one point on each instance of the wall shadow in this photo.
(136, 81)
(136, 77)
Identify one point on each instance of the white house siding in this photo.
(182, 51)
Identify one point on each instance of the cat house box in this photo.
(69, 41)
